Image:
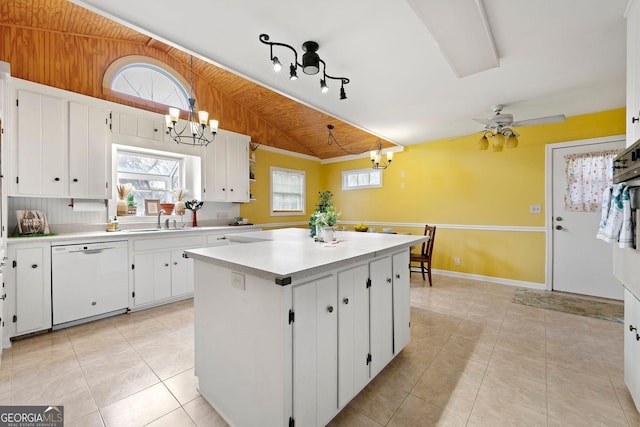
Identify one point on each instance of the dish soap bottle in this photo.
(115, 224)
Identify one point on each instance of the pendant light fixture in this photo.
(311, 62)
(377, 162)
(193, 132)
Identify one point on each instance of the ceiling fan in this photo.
(499, 128)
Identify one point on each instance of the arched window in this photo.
(146, 78)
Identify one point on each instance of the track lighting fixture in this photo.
(311, 63)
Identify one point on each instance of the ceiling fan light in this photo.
(498, 142)
(483, 143)
(512, 142)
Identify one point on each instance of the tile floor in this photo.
(475, 359)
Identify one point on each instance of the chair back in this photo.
(427, 247)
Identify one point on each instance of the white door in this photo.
(580, 263)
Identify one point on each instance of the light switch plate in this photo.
(237, 280)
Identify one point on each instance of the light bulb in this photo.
(277, 66)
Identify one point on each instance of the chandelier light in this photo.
(311, 62)
(377, 161)
(500, 138)
(193, 131)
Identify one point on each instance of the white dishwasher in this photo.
(88, 281)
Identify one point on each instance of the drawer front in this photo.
(182, 242)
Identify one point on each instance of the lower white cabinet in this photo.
(29, 279)
(160, 272)
(632, 346)
(347, 327)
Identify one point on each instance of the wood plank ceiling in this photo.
(304, 128)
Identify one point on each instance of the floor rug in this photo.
(582, 306)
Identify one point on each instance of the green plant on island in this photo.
(325, 214)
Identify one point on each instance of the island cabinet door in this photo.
(315, 352)
(401, 301)
(353, 332)
(381, 314)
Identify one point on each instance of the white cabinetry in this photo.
(226, 168)
(89, 152)
(141, 127)
(160, 272)
(633, 72)
(29, 287)
(61, 148)
(41, 146)
(632, 345)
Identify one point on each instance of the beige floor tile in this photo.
(93, 419)
(5, 398)
(416, 412)
(140, 408)
(42, 388)
(577, 386)
(460, 369)
(568, 409)
(514, 390)
(203, 414)
(483, 333)
(349, 417)
(166, 365)
(633, 417)
(176, 418)
(468, 349)
(378, 402)
(513, 342)
(109, 388)
(446, 392)
(183, 386)
(495, 413)
(507, 364)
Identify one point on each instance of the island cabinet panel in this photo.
(152, 277)
(381, 314)
(632, 346)
(353, 332)
(315, 352)
(401, 301)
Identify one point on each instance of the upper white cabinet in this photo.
(41, 147)
(140, 127)
(61, 148)
(89, 155)
(226, 168)
(633, 72)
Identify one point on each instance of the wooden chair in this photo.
(424, 257)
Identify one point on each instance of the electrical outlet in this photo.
(456, 261)
(535, 209)
(237, 280)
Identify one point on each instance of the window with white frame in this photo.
(154, 176)
(361, 178)
(287, 191)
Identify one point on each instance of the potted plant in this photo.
(123, 191)
(131, 204)
(325, 214)
(180, 194)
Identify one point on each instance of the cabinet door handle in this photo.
(398, 276)
(175, 262)
(3, 297)
(166, 265)
(330, 309)
(637, 337)
(56, 179)
(388, 279)
(635, 119)
(632, 328)
(75, 179)
(346, 300)
(34, 265)
(93, 303)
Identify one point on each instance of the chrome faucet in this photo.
(160, 212)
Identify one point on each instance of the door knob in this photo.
(330, 309)
(559, 227)
(346, 300)
(558, 218)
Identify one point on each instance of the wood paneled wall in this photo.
(77, 63)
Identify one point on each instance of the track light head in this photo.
(277, 66)
(323, 86)
(293, 75)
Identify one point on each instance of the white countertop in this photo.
(292, 253)
(125, 234)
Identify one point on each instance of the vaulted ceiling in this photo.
(553, 57)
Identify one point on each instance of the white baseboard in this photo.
(499, 280)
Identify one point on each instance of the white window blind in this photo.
(361, 178)
(287, 191)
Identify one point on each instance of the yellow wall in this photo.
(258, 212)
(450, 182)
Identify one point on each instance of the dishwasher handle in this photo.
(92, 251)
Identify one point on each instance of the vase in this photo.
(318, 234)
(194, 220)
(121, 207)
(179, 208)
(328, 234)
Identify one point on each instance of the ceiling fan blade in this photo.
(540, 121)
(485, 122)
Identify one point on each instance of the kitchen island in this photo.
(288, 330)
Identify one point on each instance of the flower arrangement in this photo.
(180, 194)
(122, 207)
(193, 206)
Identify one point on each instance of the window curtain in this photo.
(587, 176)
